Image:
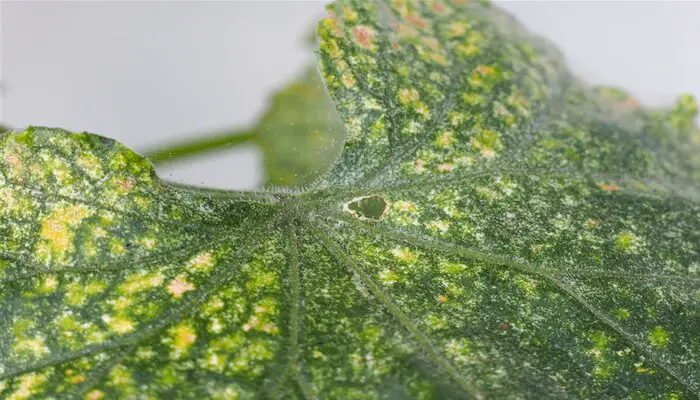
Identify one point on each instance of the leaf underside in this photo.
(492, 228)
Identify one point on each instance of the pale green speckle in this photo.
(659, 337)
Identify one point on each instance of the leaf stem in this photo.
(197, 146)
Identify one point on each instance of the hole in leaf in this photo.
(370, 207)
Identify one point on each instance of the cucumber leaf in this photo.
(492, 228)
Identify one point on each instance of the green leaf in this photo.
(298, 135)
(492, 228)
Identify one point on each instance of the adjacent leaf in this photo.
(492, 229)
(298, 135)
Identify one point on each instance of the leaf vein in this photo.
(395, 311)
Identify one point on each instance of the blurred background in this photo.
(150, 72)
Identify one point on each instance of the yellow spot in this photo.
(457, 29)
(215, 326)
(117, 247)
(121, 303)
(260, 321)
(77, 379)
(467, 50)
(184, 337)
(58, 231)
(27, 388)
(526, 285)
(202, 262)
(388, 277)
(439, 58)
(404, 254)
(148, 243)
(95, 395)
(488, 152)
(622, 313)
(487, 141)
(405, 206)
(139, 282)
(416, 20)
(228, 393)
(420, 166)
(49, 284)
(439, 8)
(423, 110)
(446, 139)
(179, 286)
(119, 325)
(472, 99)
(440, 226)
(658, 337)
(485, 70)
(91, 165)
(35, 346)
(592, 223)
(348, 79)
(407, 96)
(446, 167)
(333, 49)
(349, 14)
(430, 42)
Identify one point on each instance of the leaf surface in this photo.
(493, 228)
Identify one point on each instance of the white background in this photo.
(147, 72)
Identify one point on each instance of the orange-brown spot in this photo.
(431, 42)
(76, 379)
(592, 223)
(95, 395)
(348, 80)
(442, 299)
(485, 70)
(406, 31)
(629, 104)
(407, 96)
(612, 187)
(438, 8)
(364, 36)
(439, 58)
(179, 286)
(417, 21)
(420, 166)
(488, 152)
(185, 336)
(13, 160)
(126, 185)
